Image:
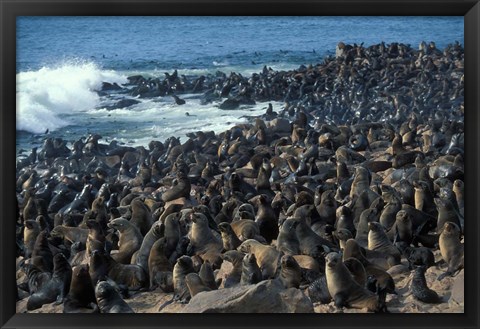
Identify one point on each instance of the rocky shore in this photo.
(364, 161)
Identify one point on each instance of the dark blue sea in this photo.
(62, 62)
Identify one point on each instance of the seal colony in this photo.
(355, 185)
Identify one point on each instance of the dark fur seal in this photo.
(156, 232)
(81, 297)
(141, 216)
(207, 275)
(420, 289)
(56, 288)
(345, 291)
(203, 242)
(233, 277)
(42, 255)
(378, 241)
(109, 300)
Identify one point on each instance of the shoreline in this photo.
(393, 110)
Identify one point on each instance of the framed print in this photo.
(252, 159)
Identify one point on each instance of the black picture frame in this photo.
(10, 9)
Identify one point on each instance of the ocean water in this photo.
(62, 62)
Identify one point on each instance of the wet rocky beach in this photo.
(363, 163)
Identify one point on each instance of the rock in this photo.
(458, 289)
(265, 297)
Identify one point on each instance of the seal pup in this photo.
(420, 289)
(109, 300)
(81, 296)
(344, 290)
(451, 249)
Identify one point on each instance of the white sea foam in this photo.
(47, 97)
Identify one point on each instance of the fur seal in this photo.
(232, 278)
(357, 270)
(109, 300)
(130, 239)
(420, 256)
(156, 232)
(195, 284)
(229, 238)
(159, 267)
(81, 296)
(251, 273)
(207, 275)
(30, 234)
(183, 266)
(378, 241)
(266, 219)
(287, 241)
(56, 288)
(361, 181)
(267, 256)
(420, 289)
(203, 242)
(42, 255)
(181, 188)
(345, 291)
(451, 249)
(141, 216)
(290, 272)
(384, 280)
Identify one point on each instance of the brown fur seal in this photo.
(141, 257)
(181, 188)
(290, 273)
(109, 300)
(451, 249)
(287, 241)
(247, 229)
(420, 289)
(203, 242)
(311, 244)
(130, 240)
(55, 289)
(378, 241)
(229, 238)
(267, 256)
(195, 284)
(446, 213)
(344, 290)
(403, 227)
(160, 268)
(251, 273)
(183, 267)
(327, 207)
(81, 296)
